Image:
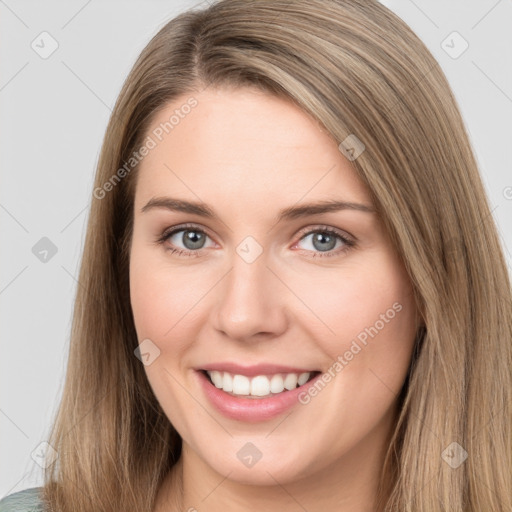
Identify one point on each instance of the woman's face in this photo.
(262, 290)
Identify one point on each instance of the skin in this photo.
(248, 155)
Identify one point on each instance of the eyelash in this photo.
(321, 229)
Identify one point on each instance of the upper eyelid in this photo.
(322, 227)
(176, 229)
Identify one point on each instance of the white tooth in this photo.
(290, 381)
(276, 384)
(216, 378)
(303, 378)
(260, 386)
(227, 382)
(241, 385)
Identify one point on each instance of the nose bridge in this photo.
(251, 301)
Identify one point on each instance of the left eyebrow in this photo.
(292, 212)
(295, 212)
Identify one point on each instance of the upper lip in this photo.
(254, 370)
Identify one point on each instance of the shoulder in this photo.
(28, 500)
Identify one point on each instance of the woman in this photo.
(221, 358)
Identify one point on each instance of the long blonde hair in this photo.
(359, 70)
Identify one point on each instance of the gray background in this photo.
(54, 113)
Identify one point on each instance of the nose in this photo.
(252, 301)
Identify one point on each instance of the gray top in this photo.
(28, 500)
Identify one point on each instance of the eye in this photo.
(321, 244)
(190, 236)
(324, 240)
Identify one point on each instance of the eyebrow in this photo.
(292, 212)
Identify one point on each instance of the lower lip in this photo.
(252, 409)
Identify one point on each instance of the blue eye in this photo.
(324, 240)
(192, 236)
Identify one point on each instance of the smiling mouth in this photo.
(260, 386)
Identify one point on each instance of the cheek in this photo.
(151, 302)
(160, 295)
(161, 300)
(367, 316)
(169, 304)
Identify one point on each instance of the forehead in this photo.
(243, 143)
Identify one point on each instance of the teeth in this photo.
(216, 378)
(227, 382)
(303, 378)
(241, 385)
(276, 384)
(290, 381)
(260, 385)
